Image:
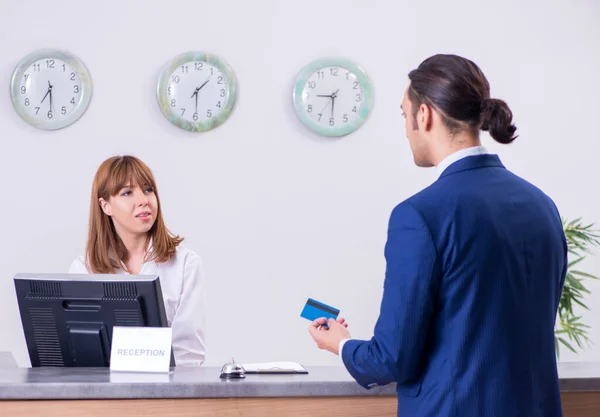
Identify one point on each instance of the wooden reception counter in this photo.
(325, 391)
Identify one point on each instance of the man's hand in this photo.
(329, 338)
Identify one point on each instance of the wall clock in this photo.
(50, 89)
(333, 96)
(197, 91)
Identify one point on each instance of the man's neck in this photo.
(455, 144)
(458, 155)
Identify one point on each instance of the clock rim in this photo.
(162, 97)
(362, 77)
(75, 62)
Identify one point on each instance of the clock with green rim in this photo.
(333, 96)
(197, 91)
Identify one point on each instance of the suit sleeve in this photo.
(565, 257)
(411, 280)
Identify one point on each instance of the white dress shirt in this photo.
(440, 168)
(458, 155)
(183, 290)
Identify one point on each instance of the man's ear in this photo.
(105, 206)
(425, 117)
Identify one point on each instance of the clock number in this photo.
(36, 67)
(182, 112)
(27, 77)
(354, 109)
(320, 115)
(198, 66)
(333, 71)
(50, 116)
(76, 89)
(37, 110)
(347, 75)
(331, 121)
(220, 80)
(222, 92)
(63, 110)
(195, 117)
(23, 89)
(49, 64)
(27, 102)
(169, 90)
(73, 101)
(212, 70)
(309, 108)
(355, 85)
(72, 76)
(184, 69)
(219, 104)
(64, 67)
(320, 74)
(358, 97)
(208, 113)
(176, 78)
(312, 84)
(173, 102)
(345, 118)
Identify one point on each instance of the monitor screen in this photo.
(68, 318)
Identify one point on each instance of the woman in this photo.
(127, 235)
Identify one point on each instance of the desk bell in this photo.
(233, 370)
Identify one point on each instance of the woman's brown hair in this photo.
(105, 250)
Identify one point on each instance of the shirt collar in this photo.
(456, 156)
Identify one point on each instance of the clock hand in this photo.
(196, 94)
(205, 82)
(199, 88)
(333, 97)
(47, 92)
(326, 105)
(51, 107)
(330, 96)
(332, 104)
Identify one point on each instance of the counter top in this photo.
(204, 382)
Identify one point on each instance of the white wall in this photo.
(277, 213)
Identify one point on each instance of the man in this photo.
(476, 263)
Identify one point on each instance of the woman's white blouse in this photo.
(183, 288)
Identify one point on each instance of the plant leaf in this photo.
(564, 342)
(580, 239)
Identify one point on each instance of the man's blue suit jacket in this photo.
(475, 266)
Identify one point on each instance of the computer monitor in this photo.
(68, 318)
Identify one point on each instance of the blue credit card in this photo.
(315, 310)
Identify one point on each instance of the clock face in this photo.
(333, 97)
(50, 89)
(196, 92)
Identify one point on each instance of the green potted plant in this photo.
(570, 329)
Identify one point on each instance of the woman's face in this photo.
(133, 209)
